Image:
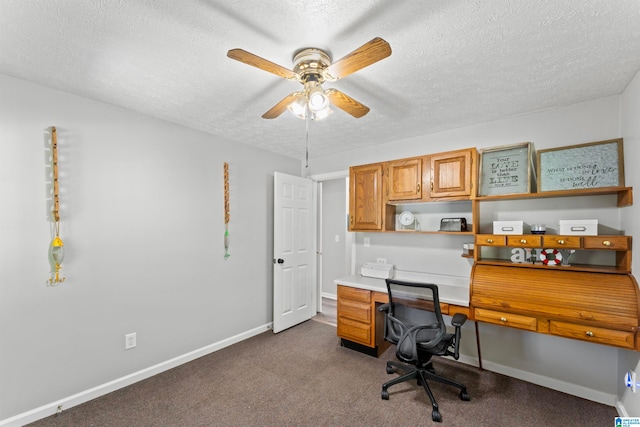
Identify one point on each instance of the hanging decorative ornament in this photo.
(56, 248)
(226, 211)
(56, 254)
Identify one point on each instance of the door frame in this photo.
(317, 200)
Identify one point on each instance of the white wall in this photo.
(142, 222)
(335, 259)
(630, 217)
(538, 358)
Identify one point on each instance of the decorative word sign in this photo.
(593, 165)
(506, 170)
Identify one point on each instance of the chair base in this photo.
(421, 373)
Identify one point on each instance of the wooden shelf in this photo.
(466, 233)
(572, 267)
(625, 195)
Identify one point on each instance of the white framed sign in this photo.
(507, 170)
(592, 165)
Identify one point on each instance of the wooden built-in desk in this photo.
(597, 307)
(361, 326)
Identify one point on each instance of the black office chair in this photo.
(414, 323)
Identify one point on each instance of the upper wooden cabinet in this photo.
(405, 179)
(452, 174)
(432, 177)
(366, 203)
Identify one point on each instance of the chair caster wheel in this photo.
(465, 396)
(389, 369)
(436, 417)
(384, 394)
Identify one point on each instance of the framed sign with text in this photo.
(592, 165)
(507, 170)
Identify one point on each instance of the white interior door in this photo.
(294, 287)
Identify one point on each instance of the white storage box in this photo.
(579, 227)
(508, 227)
(377, 270)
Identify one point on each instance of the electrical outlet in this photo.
(382, 260)
(367, 242)
(129, 341)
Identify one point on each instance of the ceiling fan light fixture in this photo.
(298, 106)
(318, 100)
(322, 114)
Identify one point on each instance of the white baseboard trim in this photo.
(569, 388)
(329, 296)
(552, 383)
(101, 390)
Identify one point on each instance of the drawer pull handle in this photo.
(607, 243)
(489, 240)
(503, 319)
(589, 333)
(561, 242)
(523, 241)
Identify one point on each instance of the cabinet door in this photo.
(365, 197)
(405, 179)
(452, 173)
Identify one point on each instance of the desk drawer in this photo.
(354, 294)
(506, 319)
(524, 241)
(490, 240)
(616, 243)
(354, 310)
(593, 334)
(355, 331)
(555, 241)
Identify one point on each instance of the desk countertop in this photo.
(453, 289)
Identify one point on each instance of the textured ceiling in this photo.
(454, 62)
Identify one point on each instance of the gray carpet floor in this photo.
(303, 377)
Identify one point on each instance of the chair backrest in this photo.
(413, 318)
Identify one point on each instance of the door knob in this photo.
(280, 261)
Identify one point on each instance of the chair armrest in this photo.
(384, 307)
(458, 319)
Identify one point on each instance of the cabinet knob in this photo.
(418, 188)
(523, 241)
(503, 319)
(561, 242)
(489, 240)
(589, 333)
(607, 243)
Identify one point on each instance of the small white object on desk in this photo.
(377, 270)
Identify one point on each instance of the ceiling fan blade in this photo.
(280, 107)
(365, 55)
(258, 62)
(346, 103)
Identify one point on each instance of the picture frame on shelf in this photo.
(592, 165)
(507, 169)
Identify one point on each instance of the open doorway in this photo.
(334, 242)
